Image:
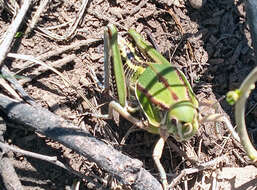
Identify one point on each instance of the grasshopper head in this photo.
(182, 120)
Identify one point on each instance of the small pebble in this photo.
(90, 185)
(197, 4)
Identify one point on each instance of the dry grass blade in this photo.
(35, 18)
(11, 6)
(6, 86)
(66, 81)
(10, 33)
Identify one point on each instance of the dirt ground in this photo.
(211, 45)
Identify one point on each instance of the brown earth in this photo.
(212, 46)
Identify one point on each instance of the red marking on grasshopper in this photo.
(166, 84)
(151, 97)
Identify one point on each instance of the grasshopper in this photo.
(162, 91)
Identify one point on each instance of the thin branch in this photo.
(60, 50)
(59, 63)
(9, 176)
(7, 171)
(201, 167)
(5, 46)
(16, 85)
(50, 159)
(7, 86)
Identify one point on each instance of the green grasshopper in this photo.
(162, 91)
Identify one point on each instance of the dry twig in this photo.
(128, 171)
(5, 46)
(7, 171)
(16, 85)
(201, 167)
(40, 70)
(8, 87)
(50, 159)
(9, 176)
(59, 51)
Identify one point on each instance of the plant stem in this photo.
(245, 90)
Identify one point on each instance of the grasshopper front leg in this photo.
(123, 112)
(157, 154)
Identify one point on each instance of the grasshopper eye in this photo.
(173, 121)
